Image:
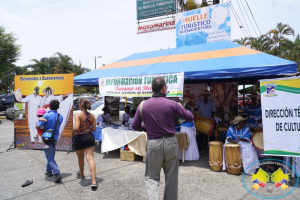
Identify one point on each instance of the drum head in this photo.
(231, 145)
(258, 140)
(215, 143)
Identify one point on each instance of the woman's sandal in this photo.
(94, 186)
(78, 175)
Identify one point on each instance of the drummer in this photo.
(239, 133)
(207, 108)
(253, 110)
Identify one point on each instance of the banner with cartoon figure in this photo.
(203, 25)
(225, 97)
(33, 94)
(280, 100)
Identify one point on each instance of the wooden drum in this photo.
(233, 158)
(205, 125)
(216, 155)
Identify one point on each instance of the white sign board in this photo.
(280, 100)
(156, 26)
(140, 86)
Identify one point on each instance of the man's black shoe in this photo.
(49, 175)
(58, 178)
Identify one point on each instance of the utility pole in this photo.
(96, 61)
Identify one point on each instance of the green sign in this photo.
(154, 8)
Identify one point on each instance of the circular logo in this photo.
(272, 180)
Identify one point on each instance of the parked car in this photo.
(96, 108)
(10, 113)
(76, 101)
(7, 101)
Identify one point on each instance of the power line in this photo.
(249, 18)
(238, 22)
(253, 16)
(23, 5)
(242, 26)
(143, 42)
(277, 10)
(244, 18)
(26, 8)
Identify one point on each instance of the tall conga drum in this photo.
(233, 158)
(216, 155)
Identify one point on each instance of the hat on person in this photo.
(238, 119)
(47, 89)
(206, 92)
(40, 111)
(254, 94)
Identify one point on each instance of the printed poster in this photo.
(281, 116)
(225, 97)
(36, 91)
(203, 25)
(113, 104)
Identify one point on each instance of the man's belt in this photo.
(165, 136)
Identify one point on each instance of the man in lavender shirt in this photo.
(158, 114)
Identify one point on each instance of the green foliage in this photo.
(189, 5)
(275, 43)
(9, 54)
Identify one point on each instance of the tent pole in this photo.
(243, 94)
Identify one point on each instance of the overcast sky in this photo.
(84, 29)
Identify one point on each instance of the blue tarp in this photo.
(212, 61)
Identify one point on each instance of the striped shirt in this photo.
(254, 113)
(243, 134)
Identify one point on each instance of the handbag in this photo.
(48, 135)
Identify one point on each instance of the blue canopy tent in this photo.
(205, 62)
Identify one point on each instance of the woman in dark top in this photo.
(84, 141)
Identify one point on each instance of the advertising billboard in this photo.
(33, 94)
(203, 25)
(154, 8)
(156, 26)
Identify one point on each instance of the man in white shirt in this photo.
(126, 116)
(207, 108)
(34, 102)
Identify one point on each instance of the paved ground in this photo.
(117, 179)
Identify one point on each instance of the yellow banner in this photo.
(60, 83)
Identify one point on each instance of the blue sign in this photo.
(203, 25)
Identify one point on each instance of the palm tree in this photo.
(262, 43)
(42, 66)
(278, 37)
(64, 64)
(291, 50)
(186, 5)
(77, 70)
(243, 41)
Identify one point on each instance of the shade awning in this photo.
(220, 60)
